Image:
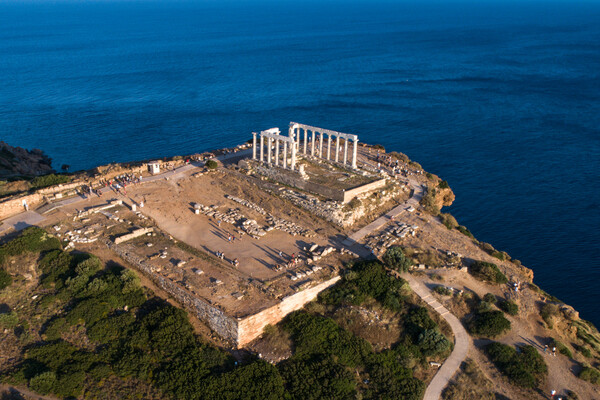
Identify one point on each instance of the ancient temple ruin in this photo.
(299, 134)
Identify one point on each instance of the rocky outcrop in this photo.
(16, 161)
(444, 197)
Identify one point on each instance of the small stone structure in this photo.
(154, 167)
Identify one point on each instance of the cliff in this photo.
(16, 161)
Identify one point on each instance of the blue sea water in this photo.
(500, 98)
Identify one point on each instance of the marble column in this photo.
(276, 152)
(321, 145)
(262, 145)
(337, 149)
(312, 149)
(293, 166)
(269, 144)
(345, 151)
(354, 153)
(285, 154)
(329, 147)
(254, 145)
(305, 139)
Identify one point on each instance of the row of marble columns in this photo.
(313, 149)
(275, 139)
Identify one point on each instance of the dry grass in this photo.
(469, 384)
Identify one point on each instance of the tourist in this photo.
(545, 348)
(280, 253)
(552, 393)
(554, 351)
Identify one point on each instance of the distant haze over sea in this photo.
(502, 99)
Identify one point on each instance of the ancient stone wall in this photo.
(132, 235)
(352, 193)
(224, 325)
(251, 327)
(14, 206)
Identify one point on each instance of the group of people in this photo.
(235, 262)
(292, 262)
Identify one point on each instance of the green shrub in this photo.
(443, 185)
(562, 349)
(509, 307)
(489, 297)
(443, 290)
(428, 201)
(313, 334)
(489, 324)
(352, 204)
(524, 368)
(318, 378)
(463, 229)
(44, 383)
(585, 351)
(590, 374)
(5, 279)
(548, 312)
(432, 342)
(394, 258)
(40, 182)
(448, 220)
(211, 164)
(32, 239)
(488, 272)
(9, 320)
(378, 147)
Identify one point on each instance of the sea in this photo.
(501, 98)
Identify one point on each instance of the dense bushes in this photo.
(509, 307)
(489, 324)
(525, 368)
(31, 240)
(487, 272)
(590, 374)
(395, 258)
(368, 279)
(40, 182)
(316, 335)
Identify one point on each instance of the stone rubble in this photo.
(234, 217)
(390, 236)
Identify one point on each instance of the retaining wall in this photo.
(251, 327)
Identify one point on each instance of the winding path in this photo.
(461, 341)
(461, 337)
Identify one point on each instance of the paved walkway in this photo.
(461, 341)
(20, 221)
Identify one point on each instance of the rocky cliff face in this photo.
(16, 161)
(444, 197)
